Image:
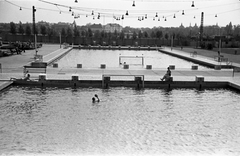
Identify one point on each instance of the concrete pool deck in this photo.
(95, 74)
(203, 60)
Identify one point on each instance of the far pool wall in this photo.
(134, 84)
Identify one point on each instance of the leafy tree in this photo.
(134, 35)
(43, 30)
(12, 28)
(145, 34)
(121, 35)
(229, 29)
(36, 30)
(20, 28)
(63, 32)
(128, 36)
(69, 32)
(236, 32)
(51, 32)
(115, 34)
(153, 35)
(97, 34)
(166, 36)
(90, 34)
(103, 35)
(83, 33)
(140, 35)
(75, 30)
(109, 35)
(28, 30)
(159, 34)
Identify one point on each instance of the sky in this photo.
(145, 13)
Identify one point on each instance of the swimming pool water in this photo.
(64, 121)
(94, 58)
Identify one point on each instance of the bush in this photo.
(203, 46)
(209, 46)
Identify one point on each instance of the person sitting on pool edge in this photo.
(167, 75)
(27, 78)
(94, 100)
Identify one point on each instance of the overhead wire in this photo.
(17, 5)
(133, 13)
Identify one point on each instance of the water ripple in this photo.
(57, 121)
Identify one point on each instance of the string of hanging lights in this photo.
(119, 14)
(20, 7)
(134, 13)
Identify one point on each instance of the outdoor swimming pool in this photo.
(64, 121)
(113, 58)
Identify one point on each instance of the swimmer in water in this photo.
(94, 100)
(98, 100)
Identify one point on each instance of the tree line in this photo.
(231, 32)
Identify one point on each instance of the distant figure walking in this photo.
(167, 75)
(218, 56)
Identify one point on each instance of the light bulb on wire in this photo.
(192, 4)
(133, 4)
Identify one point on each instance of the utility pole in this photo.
(34, 29)
(201, 30)
(220, 41)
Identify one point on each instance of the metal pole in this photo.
(220, 44)
(60, 39)
(143, 82)
(34, 29)
(233, 72)
(220, 40)
(201, 30)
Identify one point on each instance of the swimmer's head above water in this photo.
(94, 99)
